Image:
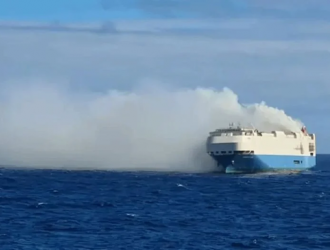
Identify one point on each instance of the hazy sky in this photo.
(277, 53)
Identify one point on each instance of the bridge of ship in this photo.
(234, 131)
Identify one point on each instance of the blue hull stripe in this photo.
(261, 163)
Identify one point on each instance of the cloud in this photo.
(105, 27)
(85, 99)
(212, 8)
(227, 8)
(165, 50)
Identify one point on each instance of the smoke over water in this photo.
(158, 130)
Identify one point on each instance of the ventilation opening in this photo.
(297, 162)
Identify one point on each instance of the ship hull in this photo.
(263, 163)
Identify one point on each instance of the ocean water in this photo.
(48, 209)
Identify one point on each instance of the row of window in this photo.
(239, 152)
(246, 153)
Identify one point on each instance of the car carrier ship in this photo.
(248, 150)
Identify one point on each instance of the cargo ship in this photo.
(239, 149)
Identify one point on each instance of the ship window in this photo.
(223, 152)
(230, 152)
(312, 154)
(296, 162)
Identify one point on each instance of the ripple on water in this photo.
(103, 210)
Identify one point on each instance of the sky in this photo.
(100, 10)
(277, 52)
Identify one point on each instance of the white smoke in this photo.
(158, 130)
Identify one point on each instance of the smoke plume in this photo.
(149, 129)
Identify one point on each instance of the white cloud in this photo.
(195, 59)
(254, 59)
(227, 8)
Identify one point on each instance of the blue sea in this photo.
(52, 209)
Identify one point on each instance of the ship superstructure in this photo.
(239, 149)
